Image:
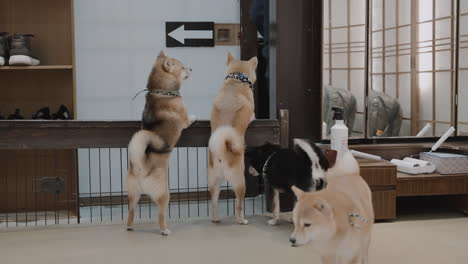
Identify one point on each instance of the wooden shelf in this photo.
(39, 67)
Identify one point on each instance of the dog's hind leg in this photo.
(329, 260)
(365, 251)
(214, 185)
(163, 202)
(133, 198)
(236, 177)
(276, 208)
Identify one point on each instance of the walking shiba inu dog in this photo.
(304, 166)
(164, 118)
(337, 220)
(233, 110)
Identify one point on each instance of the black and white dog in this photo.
(303, 166)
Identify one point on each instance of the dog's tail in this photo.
(143, 142)
(345, 165)
(225, 139)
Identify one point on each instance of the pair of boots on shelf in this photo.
(44, 113)
(16, 50)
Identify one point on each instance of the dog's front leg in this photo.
(276, 208)
(252, 117)
(191, 119)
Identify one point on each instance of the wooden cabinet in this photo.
(381, 177)
(30, 88)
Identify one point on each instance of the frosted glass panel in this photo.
(340, 60)
(425, 31)
(390, 64)
(357, 88)
(463, 58)
(358, 34)
(464, 6)
(376, 12)
(425, 62)
(390, 37)
(404, 84)
(377, 83)
(390, 85)
(339, 12)
(390, 13)
(358, 12)
(442, 29)
(443, 60)
(443, 85)
(425, 96)
(377, 65)
(443, 8)
(339, 35)
(357, 60)
(425, 10)
(404, 15)
(340, 79)
(404, 63)
(462, 94)
(404, 35)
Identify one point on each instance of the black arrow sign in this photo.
(189, 34)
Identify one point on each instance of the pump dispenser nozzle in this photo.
(338, 113)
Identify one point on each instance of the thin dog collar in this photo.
(166, 93)
(359, 217)
(266, 164)
(241, 77)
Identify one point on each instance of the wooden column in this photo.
(297, 39)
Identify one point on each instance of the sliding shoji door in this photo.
(412, 59)
(463, 70)
(344, 56)
(390, 54)
(435, 59)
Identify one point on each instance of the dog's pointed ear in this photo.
(253, 171)
(298, 192)
(230, 58)
(254, 62)
(168, 65)
(162, 54)
(322, 206)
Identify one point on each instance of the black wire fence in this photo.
(75, 172)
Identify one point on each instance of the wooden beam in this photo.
(73, 134)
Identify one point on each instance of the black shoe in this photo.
(3, 48)
(43, 113)
(62, 114)
(20, 50)
(16, 115)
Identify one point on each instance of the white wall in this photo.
(116, 43)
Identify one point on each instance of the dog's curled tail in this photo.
(226, 139)
(142, 142)
(345, 165)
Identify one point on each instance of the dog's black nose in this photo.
(292, 240)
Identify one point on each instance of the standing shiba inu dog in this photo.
(337, 220)
(233, 110)
(164, 118)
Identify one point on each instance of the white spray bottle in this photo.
(339, 132)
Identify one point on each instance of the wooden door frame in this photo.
(296, 41)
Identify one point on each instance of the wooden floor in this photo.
(426, 239)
